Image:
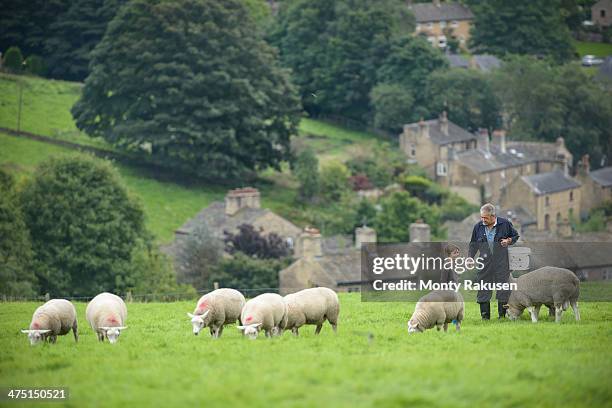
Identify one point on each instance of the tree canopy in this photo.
(191, 83)
(521, 27)
(84, 226)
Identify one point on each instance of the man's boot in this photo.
(501, 309)
(485, 310)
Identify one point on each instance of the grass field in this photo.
(372, 361)
(593, 48)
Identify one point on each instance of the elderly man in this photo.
(491, 237)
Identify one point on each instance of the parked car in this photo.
(590, 60)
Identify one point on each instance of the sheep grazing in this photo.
(55, 318)
(312, 306)
(550, 286)
(216, 309)
(266, 312)
(106, 314)
(437, 308)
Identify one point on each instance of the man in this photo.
(491, 237)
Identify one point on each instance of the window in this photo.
(442, 24)
(607, 275)
(418, 27)
(546, 221)
(454, 24)
(503, 174)
(602, 13)
(546, 201)
(441, 169)
(412, 150)
(558, 218)
(487, 179)
(430, 25)
(571, 196)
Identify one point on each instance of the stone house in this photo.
(428, 143)
(439, 20)
(552, 198)
(601, 13)
(596, 185)
(241, 206)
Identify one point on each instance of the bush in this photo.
(392, 104)
(198, 258)
(243, 272)
(306, 170)
(360, 182)
(13, 60)
(334, 180)
(35, 65)
(16, 276)
(84, 226)
(398, 211)
(253, 243)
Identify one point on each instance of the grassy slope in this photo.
(46, 111)
(158, 361)
(167, 205)
(592, 48)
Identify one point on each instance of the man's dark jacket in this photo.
(496, 267)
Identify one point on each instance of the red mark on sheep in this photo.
(249, 318)
(35, 325)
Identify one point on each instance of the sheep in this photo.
(106, 314)
(216, 309)
(312, 306)
(437, 308)
(550, 286)
(267, 311)
(55, 318)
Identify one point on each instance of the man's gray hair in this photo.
(487, 209)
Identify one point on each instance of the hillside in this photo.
(46, 111)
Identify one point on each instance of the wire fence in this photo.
(141, 297)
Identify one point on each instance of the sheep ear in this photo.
(26, 331)
(190, 315)
(103, 328)
(205, 314)
(43, 331)
(240, 327)
(256, 325)
(121, 328)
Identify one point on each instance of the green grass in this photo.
(371, 362)
(45, 108)
(593, 48)
(167, 205)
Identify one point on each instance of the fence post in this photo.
(47, 297)
(216, 285)
(128, 297)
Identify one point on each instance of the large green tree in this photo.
(193, 83)
(84, 226)
(543, 101)
(467, 95)
(74, 34)
(335, 48)
(521, 27)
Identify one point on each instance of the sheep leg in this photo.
(558, 313)
(52, 339)
(537, 310)
(75, 332)
(458, 325)
(100, 337)
(534, 316)
(576, 311)
(445, 327)
(268, 333)
(318, 329)
(334, 327)
(295, 331)
(220, 331)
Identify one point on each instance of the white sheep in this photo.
(437, 308)
(106, 314)
(55, 318)
(550, 286)
(216, 309)
(312, 306)
(267, 311)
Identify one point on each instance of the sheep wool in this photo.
(312, 306)
(55, 318)
(550, 286)
(437, 308)
(266, 312)
(107, 315)
(216, 309)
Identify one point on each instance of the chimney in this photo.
(240, 198)
(444, 123)
(483, 140)
(501, 135)
(423, 129)
(364, 235)
(436, 3)
(420, 232)
(309, 244)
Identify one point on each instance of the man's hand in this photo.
(505, 242)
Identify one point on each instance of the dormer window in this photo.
(441, 169)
